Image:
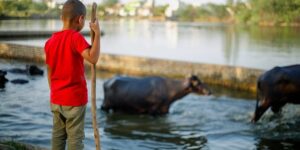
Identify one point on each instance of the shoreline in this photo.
(236, 78)
(11, 145)
(34, 33)
(164, 19)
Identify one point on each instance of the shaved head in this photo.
(73, 9)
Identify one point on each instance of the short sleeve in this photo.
(46, 50)
(80, 43)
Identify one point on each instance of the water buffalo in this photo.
(277, 87)
(30, 70)
(3, 79)
(149, 95)
(19, 81)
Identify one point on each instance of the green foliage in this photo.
(38, 7)
(218, 11)
(248, 12)
(15, 145)
(276, 11)
(159, 10)
(110, 3)
(243, 14)
(191, 13)
(25, 8)
(243, 11)
(101, 8)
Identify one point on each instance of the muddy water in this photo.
(217, 122)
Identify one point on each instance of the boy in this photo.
(65, 51)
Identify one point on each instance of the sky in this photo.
(159, 2)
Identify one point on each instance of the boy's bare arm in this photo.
(49, 75)
(92, 54)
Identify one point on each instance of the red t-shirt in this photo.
(63, 55)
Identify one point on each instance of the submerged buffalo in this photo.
(150, 95)
(19, 81)
(277, 87)
(30, 70)
(3, 79)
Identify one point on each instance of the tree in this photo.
(230, 3)
(110, 3)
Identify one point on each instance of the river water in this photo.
(254, 47)
(217, 122)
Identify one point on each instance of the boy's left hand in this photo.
(95, 27)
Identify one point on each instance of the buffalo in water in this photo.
(277, 87)
(29, 70)
(149, 95)
(3, 79)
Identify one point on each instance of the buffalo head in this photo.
(34, 70)
(3, 80)
(197, 86)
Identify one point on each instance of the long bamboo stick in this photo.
(93, 88)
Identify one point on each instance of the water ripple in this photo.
(194, 122)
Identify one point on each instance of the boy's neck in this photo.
(69, 26)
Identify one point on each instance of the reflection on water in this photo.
(152, 132)
(231, 45)
(195, 122)
(255, 47)
(278, 144)
(172, 33)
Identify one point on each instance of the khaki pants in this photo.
(68, 125)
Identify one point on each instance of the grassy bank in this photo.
(14, 145)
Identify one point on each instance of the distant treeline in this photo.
(263, 12)
(26, 9)
(271, 12)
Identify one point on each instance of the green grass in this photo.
(15, 145)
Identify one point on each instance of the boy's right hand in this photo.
(95, 27)
(92, 54)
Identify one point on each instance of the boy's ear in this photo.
(81, 18)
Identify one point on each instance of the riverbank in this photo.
(238, 78)
(225, 21)
(33, 34)
(14, 145)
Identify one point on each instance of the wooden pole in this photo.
(93, 88)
